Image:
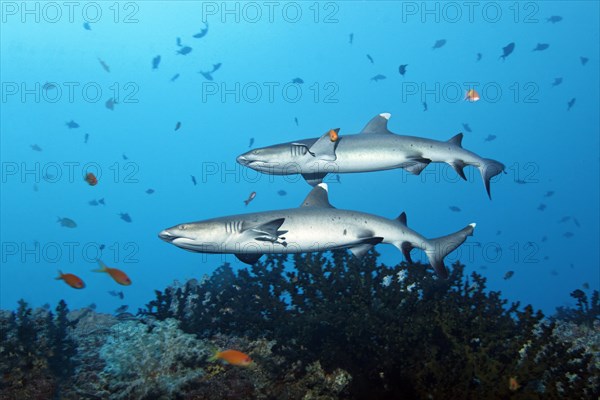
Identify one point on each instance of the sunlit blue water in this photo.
(261, 48)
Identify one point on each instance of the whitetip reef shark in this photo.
(314, 226)
(375, 148)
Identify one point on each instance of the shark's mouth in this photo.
(193, 245)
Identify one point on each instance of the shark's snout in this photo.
(167, 236)
(243, 160)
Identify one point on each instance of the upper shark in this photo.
(375, 148)
(314, 226)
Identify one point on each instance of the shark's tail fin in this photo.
(437, 249)
(489, 168)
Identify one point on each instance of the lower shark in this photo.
(375, 148)
(314, 226)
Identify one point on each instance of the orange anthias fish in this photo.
(233, 357)
(472, 95)
(91, 179)
(119, 276)
(71, 280)
(513, 385)
(333, 135)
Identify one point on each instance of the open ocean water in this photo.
(156, 100)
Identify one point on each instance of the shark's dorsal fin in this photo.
(318, 197)
(456, 140)
(314, 179)
(324, 147)
(402, 219)
(378, 124)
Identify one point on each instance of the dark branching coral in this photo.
(586, 310)
(400, 332)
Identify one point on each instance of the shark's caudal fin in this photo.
(437, 249)
(489, 168)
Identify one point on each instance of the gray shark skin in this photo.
(314, 226)
(375, 148)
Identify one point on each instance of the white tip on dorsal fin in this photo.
(324, 186)
(385, 115)
(473, 225)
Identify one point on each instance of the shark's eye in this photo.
(183, 227)
(256, 152)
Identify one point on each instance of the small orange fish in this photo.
(472, 95)
(233, 357)
(71, 280)
(333, 135)
(513, 385)
(250, 198)
(119, 276)
(91, 179)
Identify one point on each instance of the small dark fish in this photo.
(216, 67)
(93, 202)
(251, 142)
(155, 62)
(177, 125)
(568, 234)
(110, 104)
(507, 50)
(104, 65)
(483, 267)
(296, 120)
(498, 233)
(298, 81)
(125, 217)
(194, 180)
(86, 26)
(508, 275)
(101, 201)
(178, 41)
(206, 75)
(351, 38)
(184, 50)
(370, 59)
(467, 128)
(66, 222)
(557, 81)
(203, 32)
(541, 207)
(520, 181)
(121, 309)
(454, 208)
(35, 147)
(554, 272)
(564, 219)
(583, 60)
(489, 138)
(571, 103)
(425, 106)
(585, 284)
(174, 78)
(546, 258)
(576, 222)
(402, 69)
(541, 47)
(549, 193)
(479, 56)
(544, 238)
(338, 178)
(439, 44)
(378, 77)
(125, 157)
(102, 247)
(250, 198)
(281, 192)
(150, 191)
(554, 19)
(114, 293)
(92, 306)
(72, 124)
(86, 137)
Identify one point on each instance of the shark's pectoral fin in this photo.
(416, 165)
(362, 247)
(267, 232)
(377, 124)
(248, 258)
(324, 147)
(314, 179)
(458, 166)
